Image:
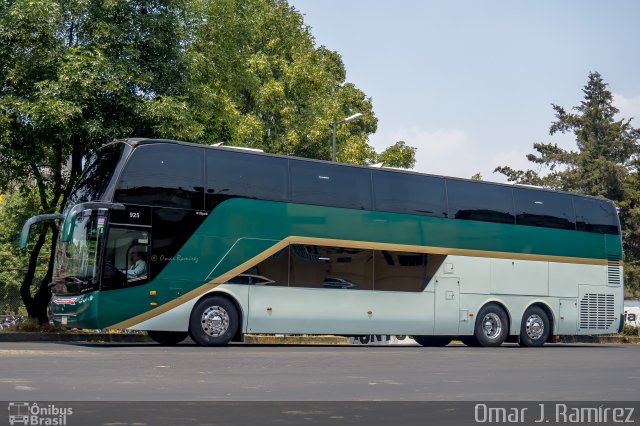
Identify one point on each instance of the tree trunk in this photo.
(36, 305)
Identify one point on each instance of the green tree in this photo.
(398, 155)
(605, 163)
(74, 75)
(15, 208)
(266, 85)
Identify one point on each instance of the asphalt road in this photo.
(149, 372)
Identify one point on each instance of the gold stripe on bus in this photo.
(446, 251)
(221, 279)
(197, 292)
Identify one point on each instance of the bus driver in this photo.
(138, 267)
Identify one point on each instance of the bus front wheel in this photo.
(432, 341)
(492, 326)
(167, 338)
(213, 322)
(534, 330)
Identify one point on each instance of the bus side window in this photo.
(480, 201)
(126, 261)
(402, 271)
(273, 271)
(330, 185)
(407, 193)
(544, 208)
(593, 215)
(164, 175)
(331, 267)
(239, 174)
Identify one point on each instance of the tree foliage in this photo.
(75, 74)
(606, 163)
(398, 155)
(14, 210)
(258, 80)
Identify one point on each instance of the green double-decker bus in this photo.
(182, 239)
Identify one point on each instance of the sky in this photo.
(471, 83)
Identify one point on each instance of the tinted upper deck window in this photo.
(543, 208)
(98, 173)
(407, 193)
(242, 174)
(330, 185)
(480, 201)
(593, 215)
(164, 175)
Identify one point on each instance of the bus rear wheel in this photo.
(213, 322)
(167, 338)
(534, 330)
(492, 326)
(432, 341)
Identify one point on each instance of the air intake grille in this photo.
(596, 311)
(613, 270)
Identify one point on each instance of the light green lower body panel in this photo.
(579, 300)
(339, 311)
(177, 319)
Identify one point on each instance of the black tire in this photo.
(432, 341)
(470, 341)
(167, 338)
(213, 322)
(492, 326)
(535, 327)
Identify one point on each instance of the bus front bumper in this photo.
(76, 311)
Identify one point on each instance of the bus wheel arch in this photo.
(492, 324)
(215, 320)
(536, 326)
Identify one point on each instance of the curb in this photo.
(255, 339)
(260, 339)
(599, 339)
(251, 339)
(73, 337)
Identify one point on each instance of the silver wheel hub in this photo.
(215, 321)
(534, 327)
(492, 325)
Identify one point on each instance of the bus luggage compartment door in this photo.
(568, 317)
(447, 306)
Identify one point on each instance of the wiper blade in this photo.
(67, 280)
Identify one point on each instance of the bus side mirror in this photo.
(26, 228)
(69, 223)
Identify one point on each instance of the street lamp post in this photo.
(335, 124)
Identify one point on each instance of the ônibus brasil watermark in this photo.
(30, 413)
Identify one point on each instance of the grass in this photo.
(32, 325)
(630, 331)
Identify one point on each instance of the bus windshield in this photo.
(97, 174)
(77, 265)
